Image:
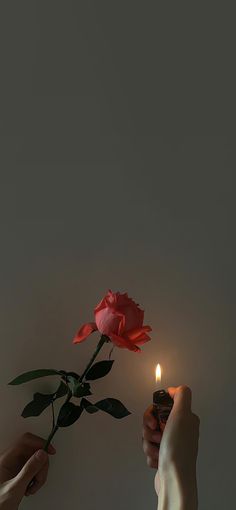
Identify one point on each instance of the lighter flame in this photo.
(158, 372)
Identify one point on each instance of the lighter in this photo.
(162, 405)
(162, 402)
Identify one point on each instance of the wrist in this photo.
(177, 491)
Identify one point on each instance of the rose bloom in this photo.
(120, 318)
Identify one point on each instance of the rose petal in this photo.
(143, 339)
(122, 323)
(84, 332)
(136, 333)
(107, 321)
(123, 343)
(108, 301)
(100, 305)
(111, 299)
(133, 316)
(122, 299)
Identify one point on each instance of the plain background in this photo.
(118, 171)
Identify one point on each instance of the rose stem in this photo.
(53, 416)
(101, 342)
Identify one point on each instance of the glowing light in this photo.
(158, 372)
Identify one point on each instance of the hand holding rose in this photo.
(23, 461)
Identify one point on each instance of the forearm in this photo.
(177, 492)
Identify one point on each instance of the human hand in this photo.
(19, 466)
(13, 491)
(174, 451)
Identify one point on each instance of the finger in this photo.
(151, 436)
(35, 443)
(33, 466)
(149, 419)
(150, 450)
(182, 398)
(196, 420)
(39, 480)
(152, 463)
(172, 391)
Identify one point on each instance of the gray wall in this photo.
(118, 171)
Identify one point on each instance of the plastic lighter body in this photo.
(162, 405)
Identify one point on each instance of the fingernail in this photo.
(41, 455)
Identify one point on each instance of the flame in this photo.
(158, 372)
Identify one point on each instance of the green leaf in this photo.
(90, 408)
(69, 414)
(111, 406)
(37, 405)
(41, 401)
(82, 390)
(35, 374)
(66, 375)
(99, 369)
(61, 391)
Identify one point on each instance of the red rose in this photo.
(120, 318)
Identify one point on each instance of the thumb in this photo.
(30, 469)
(182, 396)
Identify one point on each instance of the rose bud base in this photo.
(162, 405)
